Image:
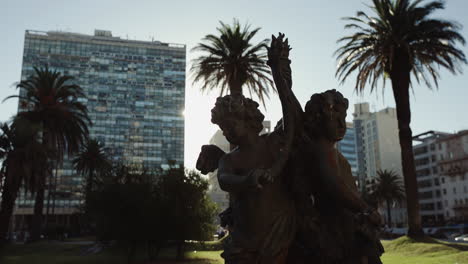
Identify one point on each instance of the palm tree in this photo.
(23, 157)
(400, 40)
(388, 188)
(231, 61)
(90, 161)
(47, 98)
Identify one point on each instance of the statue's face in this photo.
(234, 131)
(334, 121)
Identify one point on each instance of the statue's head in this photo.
(238, 117)
(325, 115)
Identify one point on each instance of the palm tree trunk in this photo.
(88, 188)
(55, 189)
(49, 194)
(389, 214)
(235, 87)
(400, 77)
(131, 252)
(38, 207)
(39, 201)
(9, 193)
(180, 250)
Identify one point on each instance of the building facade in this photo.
(377, 141)
(135, 98)
(378, 148)
(348, 147)
(427, 152)
(453, 170)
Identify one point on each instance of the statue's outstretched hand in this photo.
(208, 158)
(278, 52)
(278, 60)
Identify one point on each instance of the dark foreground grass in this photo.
(59, 253)
(399, 251)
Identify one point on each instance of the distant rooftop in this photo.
(431, 134)
(101, 35)
(460, 133)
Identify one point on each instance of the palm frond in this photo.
(398, 27)
(230, 61)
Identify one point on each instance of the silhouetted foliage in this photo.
(388, 188)
(135, 206)
(189, 209)
(399, 40)
(91, 162)
(230, 61)
(23, 159)
(49, 100)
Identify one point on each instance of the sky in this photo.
(312, 28)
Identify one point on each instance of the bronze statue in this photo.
(336, 226)
(262, 212)
(293, 197)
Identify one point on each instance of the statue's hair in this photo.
(237, 107)
(318, 105)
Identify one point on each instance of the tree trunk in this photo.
(150, 247)
(235, 87)
(9, 193)
(180, 249)
(389, 214)
(54, 193)
(49, 194)
(36, 229)
(400, 77)
(131, 252)
(38, 207)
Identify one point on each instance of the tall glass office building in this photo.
(347, 147)
(135, 98)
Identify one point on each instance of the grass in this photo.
(52, 252)
(210, 256)
(405, 250)
(80, 239)
(59, 253)
(399, 251)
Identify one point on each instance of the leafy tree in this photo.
(123, 206)
(135, 206)
(231, 61)
(399, 40)
(47, 98)
(23, 158)
(388, 189)
(188, 207)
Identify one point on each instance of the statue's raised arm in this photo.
(279, 62)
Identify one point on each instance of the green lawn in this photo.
(400, 251)
(430, 251)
